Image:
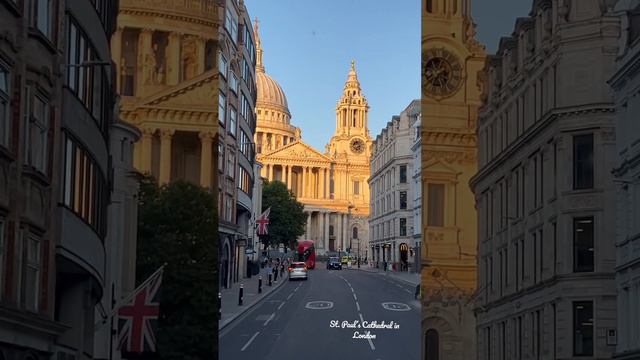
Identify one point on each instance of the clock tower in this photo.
(451, 62)
(351, 137)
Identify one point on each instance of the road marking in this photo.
(269, 319)
(280, 306)
(370, 342)
(358, 306)
(394, 306)
(355, 297)
(289, 297)
(250, 340)
(319, 305)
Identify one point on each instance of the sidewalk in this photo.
(230, 308)
(412, 279)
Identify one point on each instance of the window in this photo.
(233, 82)
(32, 275)
(220, 157)
(245, 144)
(432, 345)
(583, 251)
(37, 142)
(233, 120)
(221, 108)
(231, 25)
(5, 106)
(583, 161)
(403, 227)
(583, 328)
(403, 200)
(85, 189)
(222, 65)
(435, 210)
(356, 188)
(231, 165)
(41, 16)
(403, 174)
(245, 182)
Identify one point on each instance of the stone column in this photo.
(338, 231)
(323, 180)
(165, 155)
(303, 180)
(200, 47)
(308, 233)
(327, 216)
(206, 140)
(144, 49)
(270, 172)
(173, 59)
(290, 177)
(321, 235)
(116, 55)
(146, 149)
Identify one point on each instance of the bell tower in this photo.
(451, 62)
(351, 135)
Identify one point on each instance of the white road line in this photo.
(370, 342)
(269, 319)
(355, 297)
(289, 297)
(358, 306)
(250, 340)
(280, 306)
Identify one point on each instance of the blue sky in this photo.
(496, 18)
(308, 47)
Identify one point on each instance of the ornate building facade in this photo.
(331, 185)
(391, 221)
(625, 83)
(451, 60)
(544, 189)
(165, 52)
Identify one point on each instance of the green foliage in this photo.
(287, 220)
(178, 225)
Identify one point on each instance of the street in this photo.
(337, 314)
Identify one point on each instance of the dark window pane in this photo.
(435, 210)
(583, 161)
(583, 250)
(583, 328)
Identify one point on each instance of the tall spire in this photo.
(352, 82)
(259, 65)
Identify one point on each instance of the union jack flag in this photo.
(262, 221)
(138, 317)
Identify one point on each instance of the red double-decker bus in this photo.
(307, 253)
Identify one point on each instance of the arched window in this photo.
(355, 232)
(432, 344)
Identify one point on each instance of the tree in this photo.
(286, 219)
(178, 225)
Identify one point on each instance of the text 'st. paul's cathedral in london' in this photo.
(332, 185)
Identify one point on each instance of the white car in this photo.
(298, 270)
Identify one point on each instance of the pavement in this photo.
(347, 314)
(231, 310)
(404, 276)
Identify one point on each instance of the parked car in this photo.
(298, 270)
(334, 263)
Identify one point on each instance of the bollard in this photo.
(269, 279)
(260, 285)
(219, 306)
(240, 295)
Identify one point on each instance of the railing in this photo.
(203, 9)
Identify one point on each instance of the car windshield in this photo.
(297, 265)
(333, 259)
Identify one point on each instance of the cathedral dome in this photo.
(270, 94)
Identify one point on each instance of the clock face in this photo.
(442, 73)
(357, 146)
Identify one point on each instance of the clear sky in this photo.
(308, 47)
(497, 18)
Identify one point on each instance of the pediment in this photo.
(438, 167)
(297, 150)
(197, 94)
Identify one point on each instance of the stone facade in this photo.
(544, 190)
(451, 60)
(391, 221)
(236, 151)
(625, 83)
(331, 185)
